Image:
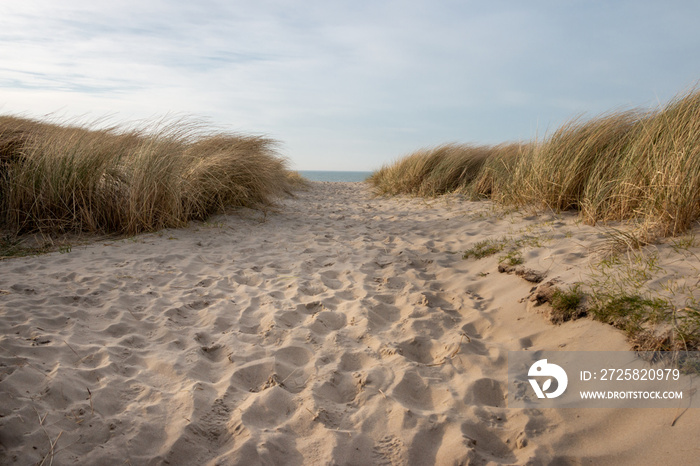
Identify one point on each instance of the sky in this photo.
(347, 85)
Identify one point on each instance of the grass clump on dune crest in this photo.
(431, 172)
(494, 180)
(58, 178)
(641, 165)
(557, 172)
(621, 165)
(658, 172)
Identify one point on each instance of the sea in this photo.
(317, 175)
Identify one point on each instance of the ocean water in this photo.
(317, 175)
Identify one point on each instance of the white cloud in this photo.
(346, 84)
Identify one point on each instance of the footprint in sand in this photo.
(486, 392)
(292, 368)
(330, 280)
(349, 295)
(487, 445)
(389, 450)
(311, 308)
(252, 376)
(381, 315)
(341, 388)
(414, 392)
(418, 349)
(294, 355)
(432, 326)
(289, 319)
(327, 321)
(179, 315)
(268, 409)
(351, 362)
(248, 278)
(312, 288)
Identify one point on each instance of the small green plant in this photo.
(567, 305)
(684, 243)
(566, 300)
(512, 258)
(631, 271)
(656, 308)
(208, 224)
(630, 312)
(619, 241)
(485, 248)
(12, 247)
(686, 323)
(530, 241)
(688, 362)
(9, 246)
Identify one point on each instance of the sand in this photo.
(337, 329)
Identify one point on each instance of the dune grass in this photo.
(642, 164)
(60, 178)
(431, 172)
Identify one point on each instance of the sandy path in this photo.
(340, 329)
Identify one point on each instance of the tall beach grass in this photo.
(624, 164)
(60, 178)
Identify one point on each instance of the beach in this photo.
(336, 328)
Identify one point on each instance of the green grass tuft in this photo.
(512, 258)
(630, 312)
(567, 305)
(484, 248)
(13, 247)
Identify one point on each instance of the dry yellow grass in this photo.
(620, 165)
(73, 178)
(431, 172)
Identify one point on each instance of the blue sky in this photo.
(347, 85)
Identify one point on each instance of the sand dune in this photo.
(340, 329)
